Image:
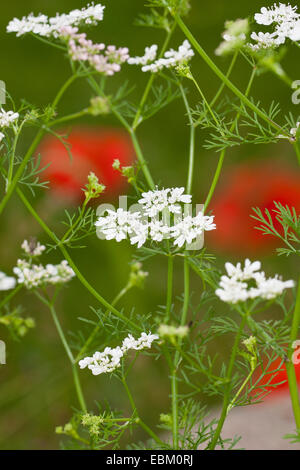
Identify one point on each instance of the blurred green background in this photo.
(36, 391)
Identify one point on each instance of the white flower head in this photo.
(235, 286)
(7, 118)
(110, 359)
(6, 282)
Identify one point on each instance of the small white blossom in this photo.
(33, 248)
(171, 58)
(33, 275)
(117, 225)
(234, 287)
(149, 56)
(276, 14)
(286, 23)
(6, 282)
(7, 117)
(1, 136)
(170, 331)
(189, 228)
(44, 26)
(110, 359)
(156, 201)
(234, 36)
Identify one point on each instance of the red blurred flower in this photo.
(240, 190)
(92, 149)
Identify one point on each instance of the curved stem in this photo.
(32, 147)
(136, 119)
(192, 141)
(226, 399)
(225, 79)
(223, 153)
(80, 276)
(174, 385)
(290, 368)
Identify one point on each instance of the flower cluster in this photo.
(42, 25)
(287, 25)
(234, 36)
(33, 275)
(7, 118)
(106, 60)
(33, 248)
(237, 286)
(120, 224)
(171, 58)
(36, 275)
(6, 282)
(110, 358)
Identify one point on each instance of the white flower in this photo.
(6, 282)
(149, 56)
(169, 331)
(189, 228)
(156, 201)
(171, 58)
(44, 26)
(144, 341)
(266, 40)
(276, 14)
(286, 22)
(7, 117)
(110, 359)
(1, 136)
(158, 230)
(235, 288)
(32, 275)
(117, 225)
(234, 36)
(33, 248)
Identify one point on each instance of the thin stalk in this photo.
(174, 387)
(67, 349)
(132, 134)
(290, 368)
(10, 295)
(226, 399)
(223, 77)
(136, 119)
(232, 63)
(169, 288)
(138, 419)
(223, 153)
(192, 141)
(32, 147)
(80, 276)
(98, 326)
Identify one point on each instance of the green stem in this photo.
(226, 399)
(192, 141)
(223, 153)
(169, 287)
(174, 386)
(98, 326)
(142, 160)
(138, 419)
(32, 147)
(223, 77)
(80, 276)
(10, 295)
(137, 117)
(67, 349)
(290, 368)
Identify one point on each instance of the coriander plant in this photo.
(163, 222)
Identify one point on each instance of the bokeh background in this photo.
(36, 391)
